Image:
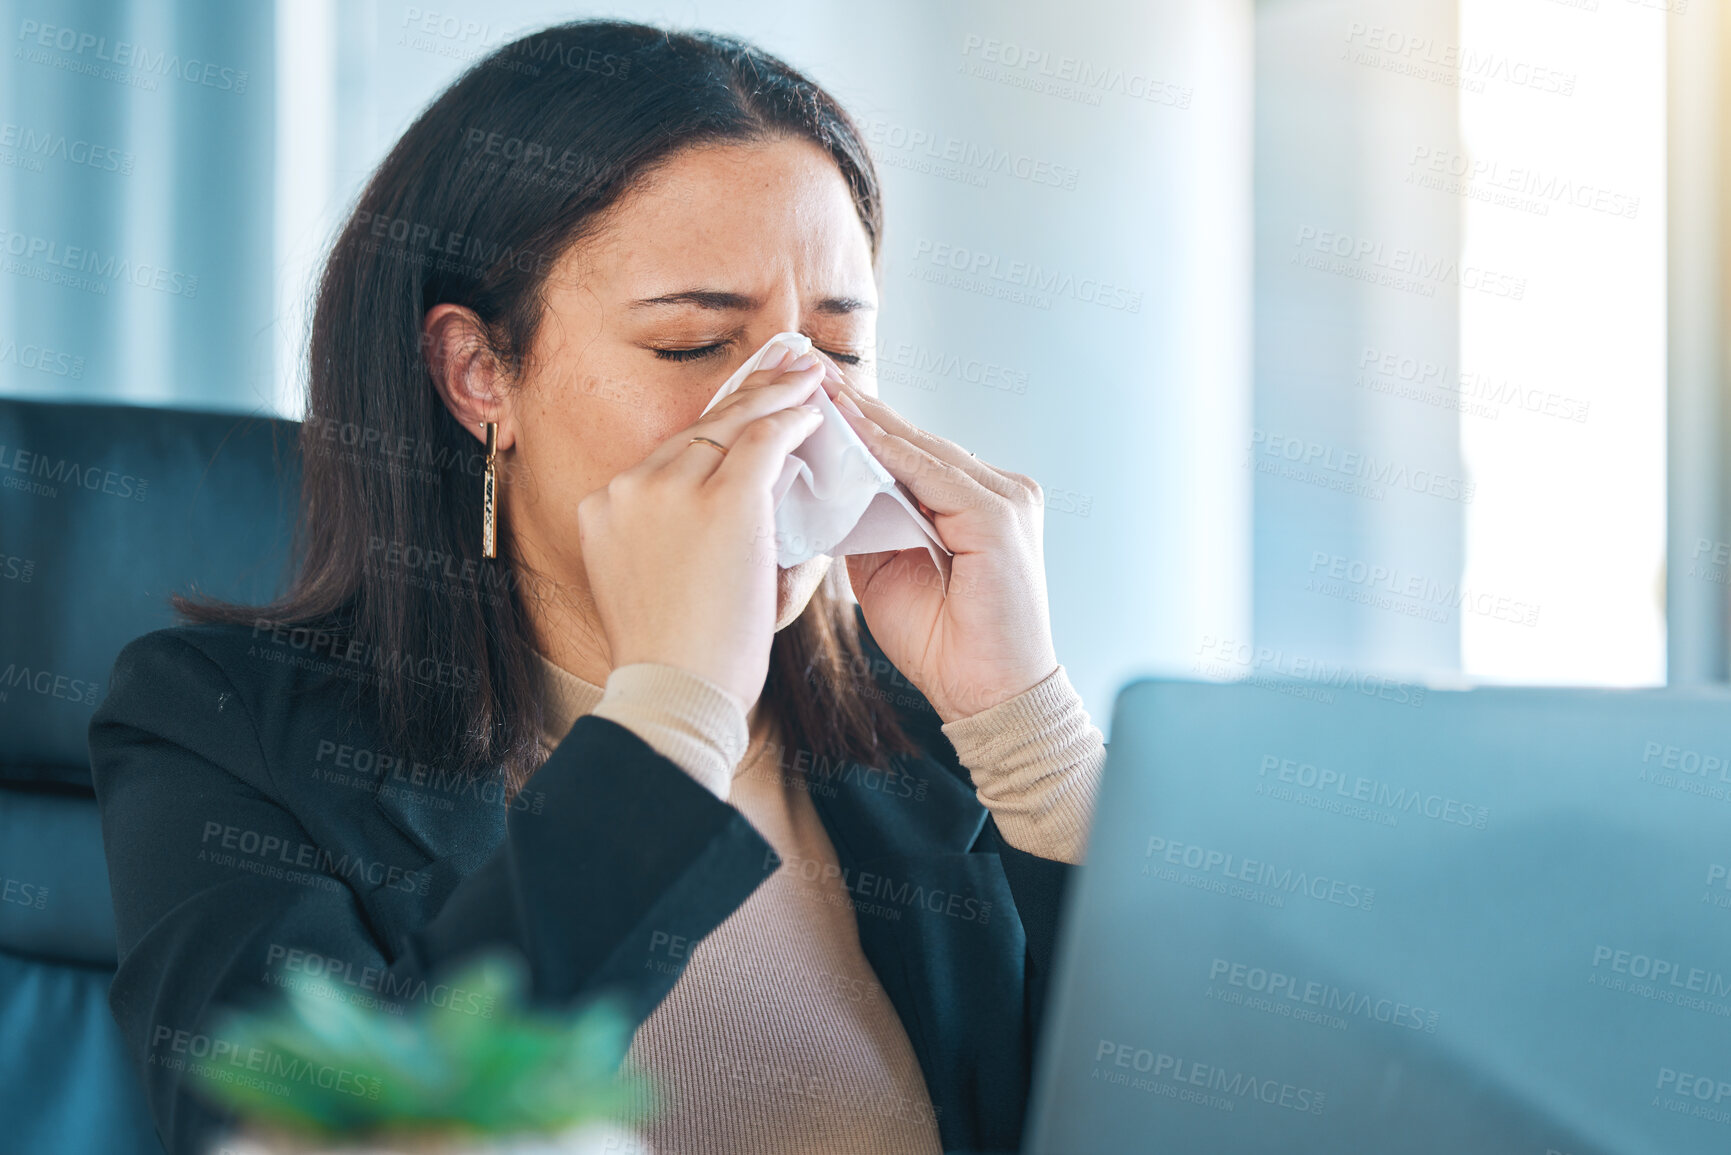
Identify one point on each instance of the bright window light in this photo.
(1562, 392)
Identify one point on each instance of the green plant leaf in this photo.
(322, 1064)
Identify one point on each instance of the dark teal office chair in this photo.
(104, 511)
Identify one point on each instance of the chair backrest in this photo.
(104, 511)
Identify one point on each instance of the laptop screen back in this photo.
(1489, 921)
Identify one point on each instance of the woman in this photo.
(538, 684)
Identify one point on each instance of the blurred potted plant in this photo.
(323, 1074)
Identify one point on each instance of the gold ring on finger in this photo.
(708, 441)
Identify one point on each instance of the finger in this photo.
(724, 425)
(755, 458)
(806, 378)
(936, 484)
(783, 367)
(697, 461)
(766, 391)
(794, 389)
(833, 378)
(887, 419)
(863, 568)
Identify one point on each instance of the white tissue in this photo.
(833, 497)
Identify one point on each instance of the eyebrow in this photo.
(723, 301)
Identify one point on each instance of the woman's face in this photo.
(722, 247)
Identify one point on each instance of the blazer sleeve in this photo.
(1039, 886)
(625, 843)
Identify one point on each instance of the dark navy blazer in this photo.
(249, 817)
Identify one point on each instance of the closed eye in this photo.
(691, 354)
(703, 351)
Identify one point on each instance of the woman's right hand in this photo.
(680, 548)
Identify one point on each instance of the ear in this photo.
(470, 378)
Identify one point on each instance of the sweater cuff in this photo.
(1035, 761)
(684, 717)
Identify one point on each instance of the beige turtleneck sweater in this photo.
(777, 1038)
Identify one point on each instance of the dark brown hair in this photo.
(506, 170)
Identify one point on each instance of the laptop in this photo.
(1484, 921)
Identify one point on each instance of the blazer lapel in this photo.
(912, 806)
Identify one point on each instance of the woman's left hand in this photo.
(988, 636)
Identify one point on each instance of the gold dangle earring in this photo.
(489, 493)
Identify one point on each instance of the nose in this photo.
(781, 313)
(784, 318)
(781, 310)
